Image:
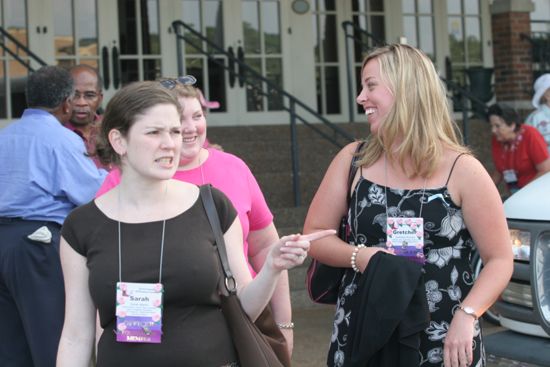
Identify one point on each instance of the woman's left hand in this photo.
(458, 350)
(291, 250)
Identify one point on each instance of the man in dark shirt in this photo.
(88, 95)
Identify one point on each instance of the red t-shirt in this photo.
(522, 156)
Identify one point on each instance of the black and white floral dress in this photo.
(447, 271)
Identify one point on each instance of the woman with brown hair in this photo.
(519, 151)
(144, 253)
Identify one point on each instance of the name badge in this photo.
(138, 312)
(405, 237)
(509, 176)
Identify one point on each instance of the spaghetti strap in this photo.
(453, 167)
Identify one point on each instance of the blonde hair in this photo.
(419, 125)
(186, 91)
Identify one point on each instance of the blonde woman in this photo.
(413, 169)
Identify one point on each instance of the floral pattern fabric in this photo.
(447, 271)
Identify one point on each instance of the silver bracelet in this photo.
(354, 257)
(285, 325)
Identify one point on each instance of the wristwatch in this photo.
(468, 311)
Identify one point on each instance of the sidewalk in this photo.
(313, 327)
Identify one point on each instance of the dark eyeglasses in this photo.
(184, 80)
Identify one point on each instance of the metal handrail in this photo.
(251, 77)
(19, 46)
(350, 30)
(464, 94)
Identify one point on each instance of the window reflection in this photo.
(127, 27)
(326, 57)
(456, 39)
(251, 27)
(75, 32)
(332, 95)
(453, 7)
(140, 57)
(274, 72)
(15, 20)
(418, 22)
(191, 17)
(471, 7)
(328, 38)
(473, 39)
(85, 20)
(409, 27)
(271, 27)
(426, 35)
(216, 84)
(63, 28)
(213, 22)
(13, 75)
(254, 98)
(150, 28)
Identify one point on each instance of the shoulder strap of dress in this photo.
(353, 167)
(453, 167)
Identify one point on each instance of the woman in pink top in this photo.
(228, 173)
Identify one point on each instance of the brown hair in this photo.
(123, 110)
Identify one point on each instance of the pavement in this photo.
(313, 326)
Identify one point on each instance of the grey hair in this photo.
(48, 87)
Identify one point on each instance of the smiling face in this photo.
(153, 143)
(376, 97)
(193, 124)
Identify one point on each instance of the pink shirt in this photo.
(232, 176)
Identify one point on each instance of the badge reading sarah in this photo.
(405, 237)
(139, 312)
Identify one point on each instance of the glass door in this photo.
(132, 41)
(250, 30)
(13, 75)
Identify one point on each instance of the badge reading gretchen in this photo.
(405, 237)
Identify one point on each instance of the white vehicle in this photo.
(524, 306)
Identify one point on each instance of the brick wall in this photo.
(512, 56)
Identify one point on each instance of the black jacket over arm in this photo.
(388, 315)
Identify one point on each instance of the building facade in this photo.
(309, 49)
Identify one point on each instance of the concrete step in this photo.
(230, 134)
(289, 217)
(278, 187)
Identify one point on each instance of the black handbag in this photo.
(257, 344)
(323, 281)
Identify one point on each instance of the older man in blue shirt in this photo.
(45, 174)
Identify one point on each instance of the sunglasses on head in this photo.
(184, 80)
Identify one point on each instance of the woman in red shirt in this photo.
(519, 151)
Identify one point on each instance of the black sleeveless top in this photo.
(447, 272)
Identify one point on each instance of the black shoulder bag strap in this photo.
(259, 343)
(352, 171)
(213, 218)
